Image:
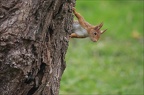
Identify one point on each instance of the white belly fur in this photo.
(79, 30)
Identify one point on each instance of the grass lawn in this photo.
(114, 65)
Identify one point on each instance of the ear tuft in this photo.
(103, 31)
(100, 25)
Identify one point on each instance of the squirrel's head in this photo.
(95, 32)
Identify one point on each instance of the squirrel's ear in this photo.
(103, 31)
(98, 26)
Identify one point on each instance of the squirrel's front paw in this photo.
(73, 9)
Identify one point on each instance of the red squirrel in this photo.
(82, 29)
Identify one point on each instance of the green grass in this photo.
(113, 65)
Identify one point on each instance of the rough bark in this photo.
(33, 42)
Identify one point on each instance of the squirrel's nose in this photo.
(95, 40)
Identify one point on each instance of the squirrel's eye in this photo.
(95, 33)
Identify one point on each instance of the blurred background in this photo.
(114, 65)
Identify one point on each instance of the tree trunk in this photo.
(33, 42)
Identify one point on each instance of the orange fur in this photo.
(93, 32)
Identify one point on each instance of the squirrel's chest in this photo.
(79, 30)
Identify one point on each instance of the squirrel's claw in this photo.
(73, 8)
